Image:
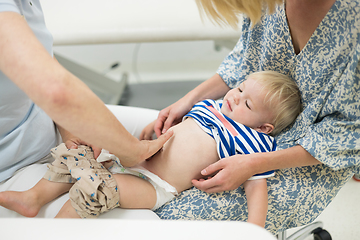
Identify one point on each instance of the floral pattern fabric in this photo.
(327, 71)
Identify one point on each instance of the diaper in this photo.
(164, 191)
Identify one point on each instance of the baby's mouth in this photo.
(228, 105)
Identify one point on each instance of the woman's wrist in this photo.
(192, 97)
(256, 163)
(295, 156)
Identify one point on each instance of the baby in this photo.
(242, 123)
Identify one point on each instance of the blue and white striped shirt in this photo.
(231, 137)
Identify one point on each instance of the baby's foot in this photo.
(20, 202)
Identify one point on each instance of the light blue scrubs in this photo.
(26, 133)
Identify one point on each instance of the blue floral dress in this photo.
(327, 71)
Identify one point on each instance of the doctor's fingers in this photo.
(96, 151)
(154, 145)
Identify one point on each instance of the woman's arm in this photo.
(65, 98)
(235, 170)
(213, 88)
(257, 201)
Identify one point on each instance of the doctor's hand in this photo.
(74, 142)
(145, 149)
(229, 172)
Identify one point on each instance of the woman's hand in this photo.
(171, 116)
(147, 132)
(229, 172)
(213, 88)
(233, 171)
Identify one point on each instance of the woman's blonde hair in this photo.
(282, 95)
(227, 11)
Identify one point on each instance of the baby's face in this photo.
(246, 105)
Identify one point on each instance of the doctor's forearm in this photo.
(65, 98)
(85, 116)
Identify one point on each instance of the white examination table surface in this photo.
(59, 229)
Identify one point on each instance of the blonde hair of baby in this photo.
(282, 96)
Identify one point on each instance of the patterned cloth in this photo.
(231, 137)
(94, 191)
(327, 71)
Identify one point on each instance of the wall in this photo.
(150, 62)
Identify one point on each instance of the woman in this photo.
(317, 43)
(37, 91)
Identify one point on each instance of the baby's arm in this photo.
(257, 201)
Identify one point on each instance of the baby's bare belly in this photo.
(183, 157)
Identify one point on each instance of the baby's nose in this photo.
(236, 99)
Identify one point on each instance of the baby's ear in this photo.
(265, 128)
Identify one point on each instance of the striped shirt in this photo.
(231, 137)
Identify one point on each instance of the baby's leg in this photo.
(29, 203)
(57, 181)
(67, 211)
(134, 193)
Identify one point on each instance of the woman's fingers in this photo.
(159, 124)
(212, 168)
